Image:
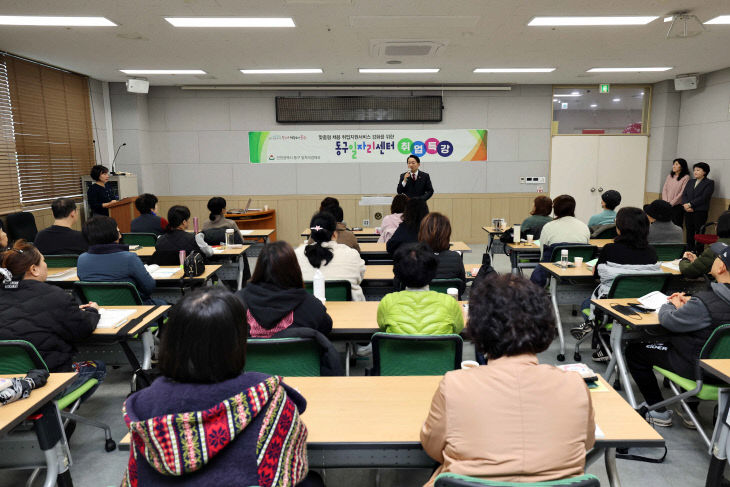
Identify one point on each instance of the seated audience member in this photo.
(565, 229)
(45, 315)
(417, 310)
(202, 361)
(630, 253)
(690, 322)
(109, 261)
(539, 216)
(61, 238)
(661, 228)
(493, 421)
(435, 231)
(390, 222)
(336, 261)
(276, 298)
(693, 266)
(217, 219)
(344, 236)
(177, 238)
(148, 221)
(3, 238)
(609, 201)
(407, 231)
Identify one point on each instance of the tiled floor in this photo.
(685, 465)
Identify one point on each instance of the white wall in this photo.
(196, 143)
(665, 106)
(704, 128)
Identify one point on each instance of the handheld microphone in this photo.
(115, 157)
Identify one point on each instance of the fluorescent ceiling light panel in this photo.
(162, 71)
(668, 19)
(626, 70)
(231, 21)
(514, 70)
(56, 21)
(562, 95)
(399, 70)
(616, 100)
(283, 71)
(573, 21)
(722, 19)
(594, 105)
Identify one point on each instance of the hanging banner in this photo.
(367, 145)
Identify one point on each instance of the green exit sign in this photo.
(605, 88)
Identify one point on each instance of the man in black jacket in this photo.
(414, 183)
(696, 201)
(691, 321)
(61, 238)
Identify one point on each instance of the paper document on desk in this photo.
(62, 276)
(165, 273)
(591, 264)
(246, 232)
(111, 318)
(654, 300)
(672, 264)
(599, 432)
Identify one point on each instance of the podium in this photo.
(255, 220)
(124, 211)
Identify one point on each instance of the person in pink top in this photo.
(391, 222)
(674, 187)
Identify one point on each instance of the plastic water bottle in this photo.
(229, 238)
(564, 258)
(195, 225)
(516, 235)
(318, 285)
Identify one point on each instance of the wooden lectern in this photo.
(255, 220)
(124, 211)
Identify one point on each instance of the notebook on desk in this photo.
(112, 318)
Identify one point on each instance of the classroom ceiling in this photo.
(341, 36)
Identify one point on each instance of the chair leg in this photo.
(110, 444)
(33, 476)
(691, 415)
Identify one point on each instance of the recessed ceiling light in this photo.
(56, 21)
(283, 71)
(231, 21)
(613, 20)
(398, 70)
(555, 99)
(626, 70)
(668, 19)
(514, 70)
(162, 71)
(593, 105)
(563, 95)
(616, 100)
(721, 19)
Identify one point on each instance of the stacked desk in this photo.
(532, 251)
(493, 233)
(364, 235)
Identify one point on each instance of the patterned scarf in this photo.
(182, 443)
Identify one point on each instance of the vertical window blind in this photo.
(52, 131)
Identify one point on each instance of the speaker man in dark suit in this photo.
(414, 183)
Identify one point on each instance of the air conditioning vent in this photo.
(356, 109)
(403, 48)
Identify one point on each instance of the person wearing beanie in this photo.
(662, 229)
(609, 201)
(696, 201)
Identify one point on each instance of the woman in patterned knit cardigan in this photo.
(204, 422)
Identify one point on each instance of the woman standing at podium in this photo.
(98, 195)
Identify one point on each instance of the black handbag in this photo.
(194, 265)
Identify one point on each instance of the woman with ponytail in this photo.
(336, 261)
(217, 208)
(43, 314)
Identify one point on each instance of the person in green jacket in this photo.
(691, 265)
(417, 310)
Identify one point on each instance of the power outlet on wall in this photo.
(366, 223)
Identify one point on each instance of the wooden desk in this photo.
(493, 232)
(640, 324)
(48, 427)
(364, 235)
(350, 424)
(229, 254)
(256, 220)
(379, 247)
(258, 234)
(720, 368)
(123, 212)
(385, 272)
(720, 448)
(174, 279)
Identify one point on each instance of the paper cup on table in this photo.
(469, 364)
(453, 292)
(529, 238)
(578, 261)
(266, 207)
(474, 271)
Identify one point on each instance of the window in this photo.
(50, 124)
(584, 110)
(9, 195)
